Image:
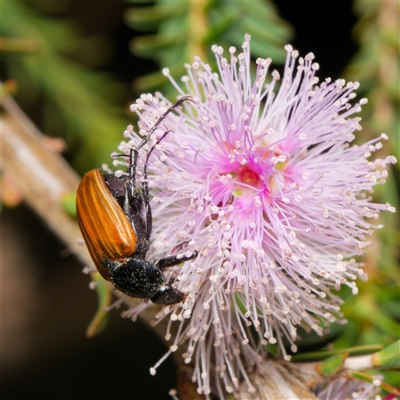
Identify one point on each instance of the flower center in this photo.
(249, 177)
(246, 181)
(246, 176)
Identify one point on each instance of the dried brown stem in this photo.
(42, 176)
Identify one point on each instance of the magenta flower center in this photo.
(244, 175)
(249, 177)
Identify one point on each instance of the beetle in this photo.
(115, 219)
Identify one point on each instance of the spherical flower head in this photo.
(261, 177)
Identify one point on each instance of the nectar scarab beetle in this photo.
(115, 219)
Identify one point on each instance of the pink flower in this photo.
(342, 388)
(261, 176)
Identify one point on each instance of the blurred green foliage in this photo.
(189, 28)
(77, 103)
(374, 314)
(376, 66)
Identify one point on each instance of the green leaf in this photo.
(321, 355)
(148, 18)
(332, 364)
(389, 357)
(146, 46)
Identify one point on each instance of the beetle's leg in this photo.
(170, 261)
(172, 280)
(179, 246)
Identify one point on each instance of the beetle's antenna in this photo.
(150, 151)
(134, 152)
(172, 108)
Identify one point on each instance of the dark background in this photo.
(46, 301)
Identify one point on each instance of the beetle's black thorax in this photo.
(136, 278)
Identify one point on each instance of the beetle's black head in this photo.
(166, 294)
